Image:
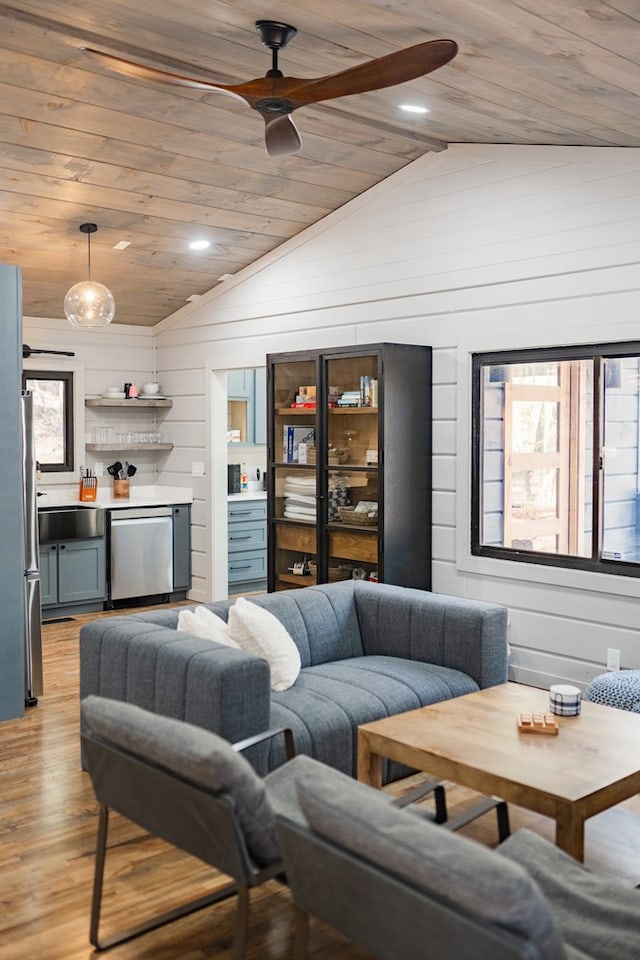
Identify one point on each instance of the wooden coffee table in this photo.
(592, 764)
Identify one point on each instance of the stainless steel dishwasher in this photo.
(141, 552)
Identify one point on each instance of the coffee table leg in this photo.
(369, 763)
(570, 832)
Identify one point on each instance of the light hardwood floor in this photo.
(47, 835)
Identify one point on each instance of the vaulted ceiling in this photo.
(159, 166)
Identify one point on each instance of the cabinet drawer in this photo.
(249, 566)
(247, 536)
(241, 512)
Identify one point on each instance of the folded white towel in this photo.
(295, 515)
(302, 481)
(299, 508)
(300, 498)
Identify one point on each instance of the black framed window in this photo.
(556, 456)
(52, 418)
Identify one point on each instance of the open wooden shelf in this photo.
(105, 447)
(134, 402)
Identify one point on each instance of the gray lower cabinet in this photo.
(247, 546)
(182, 547)
(73, 572)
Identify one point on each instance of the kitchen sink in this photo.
(70, 523)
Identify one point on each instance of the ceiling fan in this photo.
(275, 96)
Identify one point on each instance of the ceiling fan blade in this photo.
(281, 137)
(386, 71)
(139, 71)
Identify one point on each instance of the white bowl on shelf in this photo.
(149, 389)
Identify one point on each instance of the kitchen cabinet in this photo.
(247, 545)
(240, 384)
(349, 454)
(246, 405)
(73, 572)
(182, 547)
(146, 408)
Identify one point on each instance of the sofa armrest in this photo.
(174, 674)
(466, 635)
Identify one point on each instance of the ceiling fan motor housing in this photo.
(275, 35)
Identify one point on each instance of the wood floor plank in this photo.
(47, 836)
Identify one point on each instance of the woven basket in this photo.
(339, 573)
(358, 518)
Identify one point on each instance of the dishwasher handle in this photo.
(140, 513)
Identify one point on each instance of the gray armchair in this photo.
(192, 789)
(404, 889)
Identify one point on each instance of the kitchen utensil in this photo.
(131, 470)
(114, 469)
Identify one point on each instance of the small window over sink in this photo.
(52, 418)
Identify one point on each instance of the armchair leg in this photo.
(223, 893)
(480, 808)
(423, 790)
(300, 934)
(242, 924)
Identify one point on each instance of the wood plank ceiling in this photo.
(159, 166)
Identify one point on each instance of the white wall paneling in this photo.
(480, 247)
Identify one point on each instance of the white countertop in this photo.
(259, 495)
(151, 495)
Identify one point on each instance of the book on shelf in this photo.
(292, 437)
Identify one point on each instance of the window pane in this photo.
(535, 427)
(53, 439)
(535, 456)
(620, 459)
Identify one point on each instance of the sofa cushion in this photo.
(330, 700)
(321, 620)
(195, 754)
(444, 865)
(417, 625)
(596, 915)
(257, 631)
(201, 622)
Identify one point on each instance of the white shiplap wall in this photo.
(110, 356)
(479, 247)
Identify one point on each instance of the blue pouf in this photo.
(620, 688)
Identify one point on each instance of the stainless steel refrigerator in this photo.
(33, 620)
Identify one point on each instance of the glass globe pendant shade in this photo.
(89, 304)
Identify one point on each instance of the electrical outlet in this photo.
(197, 469)
(613, 659)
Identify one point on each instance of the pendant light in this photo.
(89, 304)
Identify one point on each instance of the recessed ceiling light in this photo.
(199, 244)
(413, 108)
(122, 245)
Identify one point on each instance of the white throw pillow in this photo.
(257, 631)
(202, 623)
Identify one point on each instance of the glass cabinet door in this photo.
(294, 474)
(352, 467)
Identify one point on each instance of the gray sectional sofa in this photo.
(367, 651)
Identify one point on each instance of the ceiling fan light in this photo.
(89, 304)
